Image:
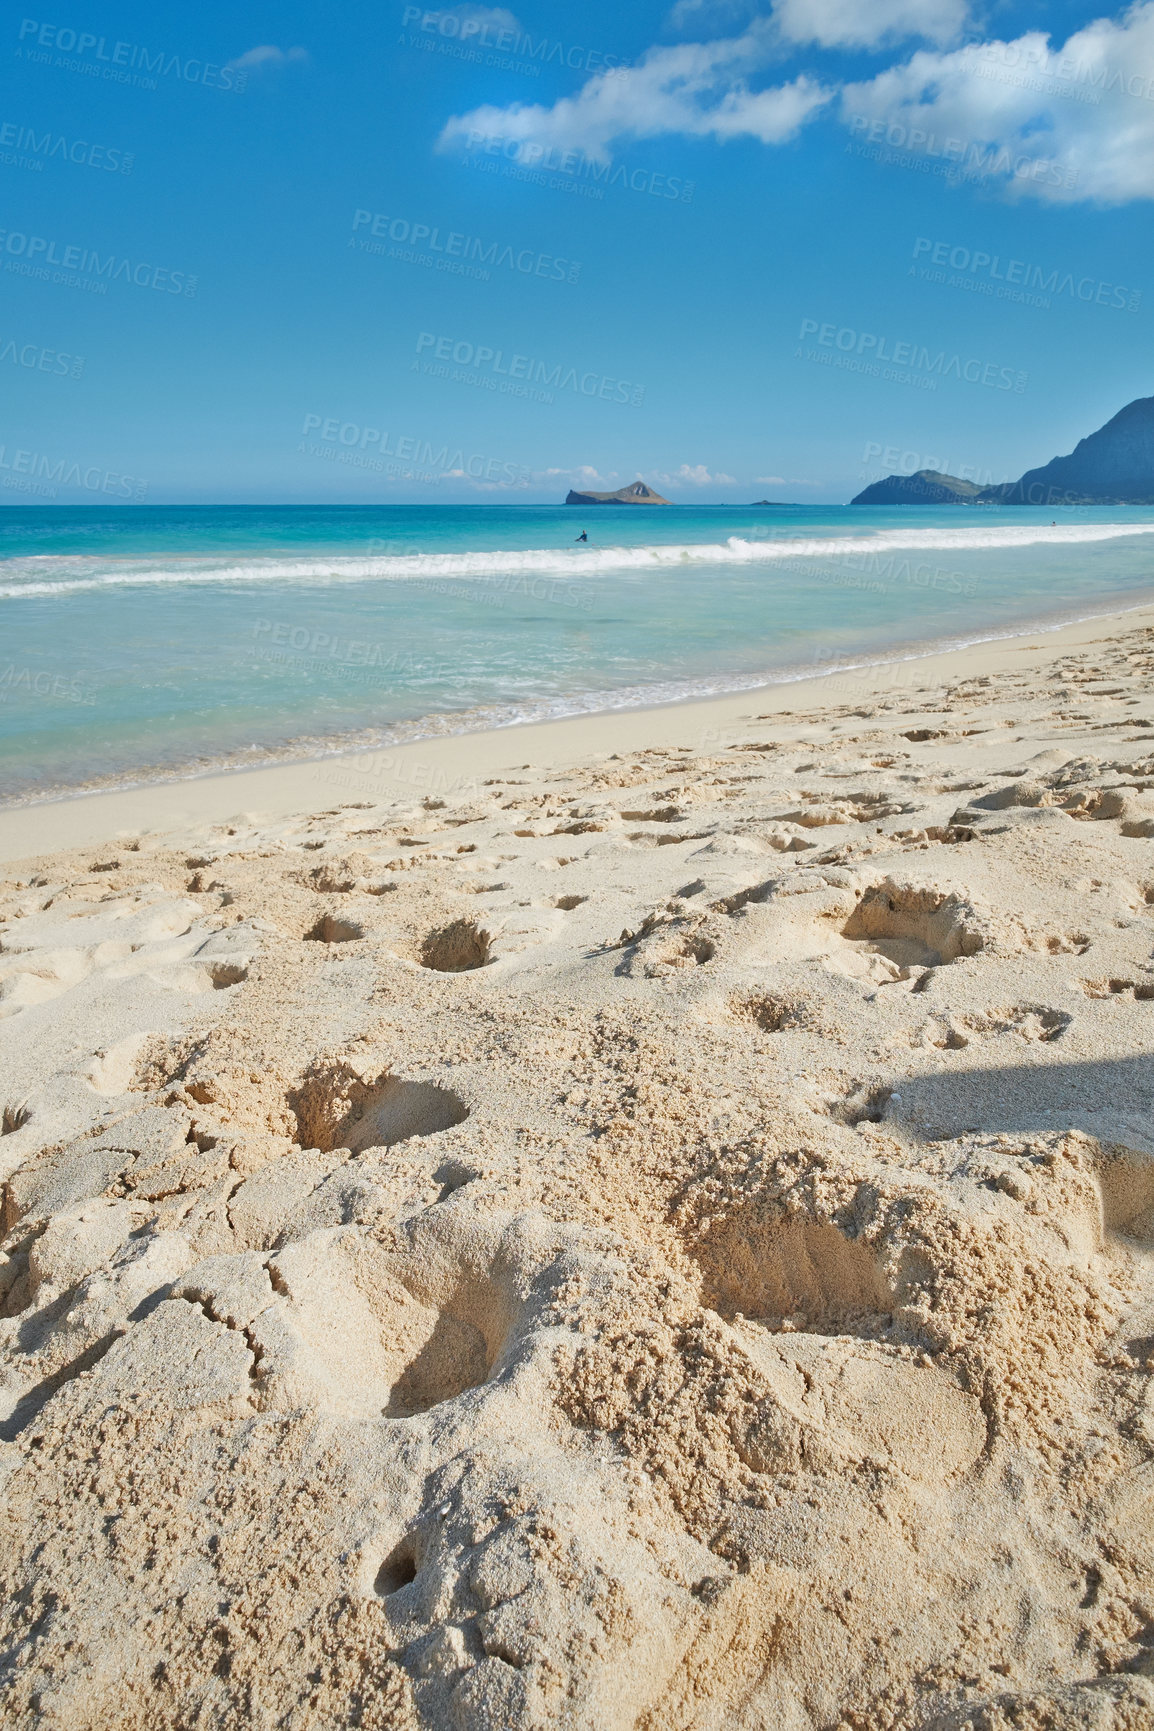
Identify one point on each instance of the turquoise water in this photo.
(146, 642)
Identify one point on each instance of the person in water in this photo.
(583, 536)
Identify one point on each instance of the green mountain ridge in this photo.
(1113, 466)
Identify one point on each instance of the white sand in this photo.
(641, 1222)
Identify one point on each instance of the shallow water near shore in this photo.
(151, 642)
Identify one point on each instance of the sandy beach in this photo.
(641, 1221)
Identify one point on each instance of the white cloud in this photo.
(697, 476)
(1065, 123)
(1015, 107)
(479, 486)
(479, 19)
(769, 480)
(267, 55)
(833, 23)
(693, 14)
(698, 89)
(583, 476)
(868, 23)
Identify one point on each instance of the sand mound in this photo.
(331, 929)
(336, 1107)
(915, 926)
(801, 1270)
(456, 948)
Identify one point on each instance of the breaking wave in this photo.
(50, 575)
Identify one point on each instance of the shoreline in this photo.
(442, 761)
(305, 749)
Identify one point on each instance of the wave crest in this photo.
(74, 574)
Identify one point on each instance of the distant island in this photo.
(1114, 466)
(926, 487)
(637, 493)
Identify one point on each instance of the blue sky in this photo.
(385, 253)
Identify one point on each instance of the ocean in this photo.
(145, 643)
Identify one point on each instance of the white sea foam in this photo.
(359, 747)
(70, 575)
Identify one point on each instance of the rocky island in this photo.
(637, 493)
